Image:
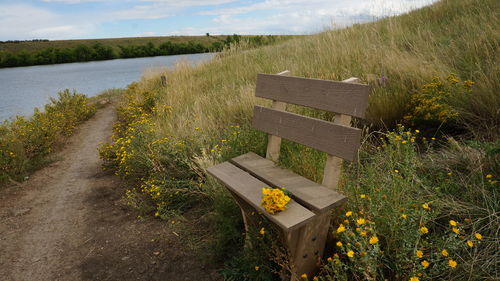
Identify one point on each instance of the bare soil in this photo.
(69, 222)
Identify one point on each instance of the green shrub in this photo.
(25, 142)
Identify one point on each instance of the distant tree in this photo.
(102, 52)
(216, 46)
(10, 60)
(24, 58)
(83, 53)
(208, 34)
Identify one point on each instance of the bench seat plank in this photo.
(310, 194)
(249, 188)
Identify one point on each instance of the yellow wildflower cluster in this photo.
(431, 103)
(274, 200)
(23, 140)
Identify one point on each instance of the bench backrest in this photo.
(340, 141)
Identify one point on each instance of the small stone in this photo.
(21, 212)
(156, 253)
(125, 258)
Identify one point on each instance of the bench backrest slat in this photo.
(334, 96)
(338, 140)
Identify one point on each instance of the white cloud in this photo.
(302, 16)
(75, 1)
(147, 34)
(21, 21)
(189, 3)
(24, 21)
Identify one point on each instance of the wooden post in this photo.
(274, 142)
(163, 80)
(333, 165)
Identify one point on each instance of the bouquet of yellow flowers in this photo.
(274, 200)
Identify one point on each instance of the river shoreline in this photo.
(24, 88)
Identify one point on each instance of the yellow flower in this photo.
(361, 221)
(452, 263)
(339, 244)
(257, 268)
(419, 254)
(478, 236)
(274, 200)
(453, 223)
(262, 231)
(404, 142)
(303, 276)
(362, 196)
(470, 243)
(414, 278)
(373, 240)
(350, 254)
(396, 171)
(404, 216)
(489, 176)
(341, 228)
(348, 214)
(426, 206)
(444, 253)
(315, 278)
(363, 233)
(424, 230)
(329, 259)
(455, 230)
(417, 131)
(425, 263)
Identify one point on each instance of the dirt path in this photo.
(68, 222)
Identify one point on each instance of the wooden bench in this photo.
(306, 221)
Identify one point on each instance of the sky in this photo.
(82, 19)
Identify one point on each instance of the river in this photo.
(24, 88)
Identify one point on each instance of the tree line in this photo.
(99, 51)
(21, 41)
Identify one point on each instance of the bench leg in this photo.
(246, 210)
(306, 246)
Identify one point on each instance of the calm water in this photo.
(24, 88)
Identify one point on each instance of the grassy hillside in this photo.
(427, 185)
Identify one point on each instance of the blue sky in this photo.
(75, 19)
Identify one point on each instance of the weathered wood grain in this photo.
(333, 96)
(333, 165)
(274, 142)
(341, 141)
(308, 193)
(248, 188)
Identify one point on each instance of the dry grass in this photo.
(449, 37)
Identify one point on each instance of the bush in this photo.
(25, 142)
(431, 107)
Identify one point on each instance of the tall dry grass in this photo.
(458, 37)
